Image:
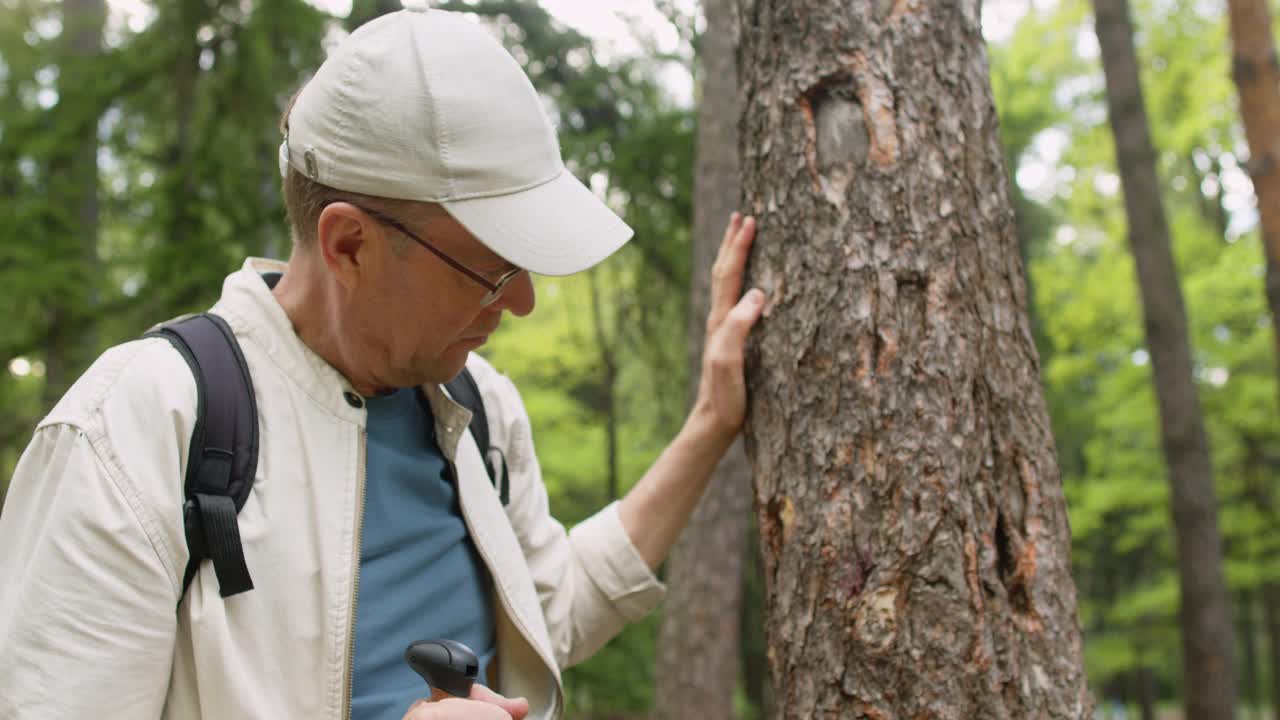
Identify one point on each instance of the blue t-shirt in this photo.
(420, 575)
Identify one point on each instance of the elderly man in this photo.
(424, 184)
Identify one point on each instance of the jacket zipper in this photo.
(498, 587)
(355, 581)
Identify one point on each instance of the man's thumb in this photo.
(517, 708)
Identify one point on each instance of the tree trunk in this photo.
(1208, 675)
(1249, 651)
(914, 530)
(1146, 692)
(699, 656)
(1257, 78)
(75, 174)
(607, 391)
(754, 643)
(1271, 616)
(170, 268)
(362, 11)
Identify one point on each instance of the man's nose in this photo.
(517, 297)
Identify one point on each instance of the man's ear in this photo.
(345, 236)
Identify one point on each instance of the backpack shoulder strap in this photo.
(224, 448)
(464, 390)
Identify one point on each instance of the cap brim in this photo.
(557, 228)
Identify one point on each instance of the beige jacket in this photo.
(92, 547)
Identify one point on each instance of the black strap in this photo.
(224, 448)
(465, 392)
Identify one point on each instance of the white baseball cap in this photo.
(426, 105)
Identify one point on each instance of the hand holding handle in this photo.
(448, 666)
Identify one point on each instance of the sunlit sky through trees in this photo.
(630, 27)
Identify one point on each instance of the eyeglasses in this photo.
(495, 287)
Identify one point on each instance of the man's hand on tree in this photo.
(722, 392)
(483, 704)
(659, 506)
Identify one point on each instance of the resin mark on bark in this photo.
(971, 574)
(876, 99)
(886, 349)
(852, 576)
(1034, 525)
(900, 8)
(1016, 566)
(779, 518)
(774, 286)
(788, 518)
(938, 294)
(871, 712)
(870, 456)
(876, 619)
(810, 139)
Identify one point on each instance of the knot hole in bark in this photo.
(841, 129)
(839, 143)
(1008, 551)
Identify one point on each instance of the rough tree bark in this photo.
(910, 506)
(699, 656)
(1257, 78)
(1207, 671)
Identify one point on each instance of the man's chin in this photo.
(451, 363)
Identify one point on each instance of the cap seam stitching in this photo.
(437, 120)
(344, 117)
(511, 191)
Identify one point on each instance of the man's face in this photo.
(412, 318)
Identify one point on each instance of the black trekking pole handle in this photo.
(448, 666)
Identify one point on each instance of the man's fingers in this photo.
(456, 709)
(726, 274)
(730, 340)
(482, 703)
(735, 222)
(516, 707)
(413, 709)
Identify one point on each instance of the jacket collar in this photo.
(253, 312)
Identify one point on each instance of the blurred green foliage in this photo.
(1096, 371)
(185, 98)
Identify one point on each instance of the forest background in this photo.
(138, 167)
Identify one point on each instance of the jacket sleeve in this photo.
(591, 581)
(87, 605)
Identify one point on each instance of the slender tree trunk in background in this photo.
(1271, 618)
(608, 390)
(1257, 78)
(362, 11)
(1249, 651)
(753, 641)
(1208, 673)
(699, 656)
(1142, 686)
(75, 175)
(1146, 692)
(914, 529)
(179, 173)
